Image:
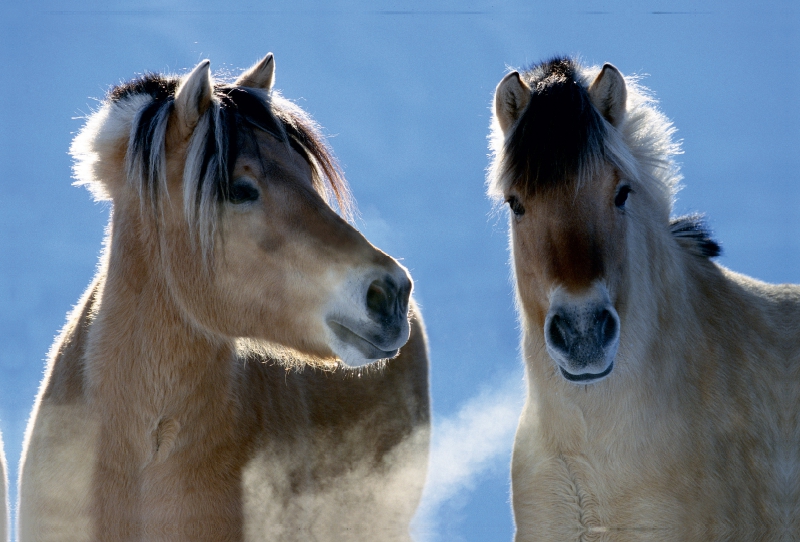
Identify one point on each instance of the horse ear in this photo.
(261, 75)
(510, 99)
(608, 94)
(194, 96)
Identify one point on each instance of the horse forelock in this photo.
(143, 106)
(561, 137)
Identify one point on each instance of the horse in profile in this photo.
(200, 389)
(662, 387)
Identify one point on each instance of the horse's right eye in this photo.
(516, 207)
(242, 191)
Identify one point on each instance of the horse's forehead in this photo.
(272, 157)
(572, 230)
(578, 193)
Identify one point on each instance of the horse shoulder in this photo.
(739, 378)
(748, 320)
(56, 466)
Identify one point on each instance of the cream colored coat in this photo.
(701, 444)
(694, 435)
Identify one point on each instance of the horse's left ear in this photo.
(608, 94)
(261, 75)
(194, 96)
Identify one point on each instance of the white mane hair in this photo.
(641, 147)
(134, 118)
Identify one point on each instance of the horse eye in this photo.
(242, 191)
(516, 207)
(622, 195)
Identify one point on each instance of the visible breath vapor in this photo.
(464, 446)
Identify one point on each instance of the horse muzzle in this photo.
(582, 335)
(371, 323)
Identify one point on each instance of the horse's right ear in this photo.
(608, 94)
(510, 99)
(194, 96)
(261, 75)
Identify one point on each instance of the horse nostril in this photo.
(607, 327)
(557, 333)
(382, 298)
(376, 298)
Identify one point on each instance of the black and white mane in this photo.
(223, 131)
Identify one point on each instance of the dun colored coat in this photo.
(662, 388)
(196, 391)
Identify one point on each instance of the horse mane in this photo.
(695, 234)
(142, 107)
(561, 135)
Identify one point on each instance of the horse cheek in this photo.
(618, 266)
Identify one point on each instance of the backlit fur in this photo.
(194, 393)
(694, 435)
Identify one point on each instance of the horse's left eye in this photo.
(242, 191)
(622, 195)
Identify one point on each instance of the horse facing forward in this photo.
(195, 392)
(662, 388)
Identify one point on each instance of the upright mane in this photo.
(139, 111)
(695, 235)
(560, 135)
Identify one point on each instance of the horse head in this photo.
(573, 188)
(230, 190)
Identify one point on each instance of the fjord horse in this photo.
(197, 391)
(662, 388)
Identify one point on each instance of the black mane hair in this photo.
(693, 231)
(559, 134)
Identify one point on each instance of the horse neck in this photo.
(139, 336)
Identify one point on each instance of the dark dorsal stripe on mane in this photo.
(693, 228)
(240, 111)
(158, 86)
(560, 132)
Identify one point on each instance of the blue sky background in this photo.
(404, 90)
